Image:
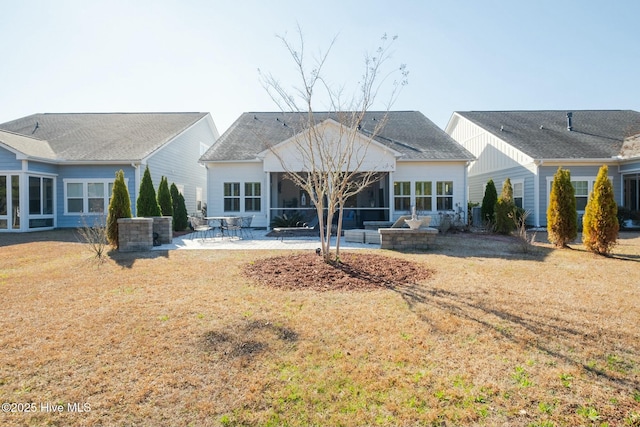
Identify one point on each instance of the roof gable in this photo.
(595, 134)
(297, 153)
(409, 133)
(101, 137)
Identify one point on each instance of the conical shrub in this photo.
(600, 222)
(119, 207)
(147, 204)
(562, 217)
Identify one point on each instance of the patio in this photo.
(260, 240)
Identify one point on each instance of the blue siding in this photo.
(87, 172)
(546, 174)
(633, 167)
(8, 160)
(477, 185)
(187, 172)
(42, 167)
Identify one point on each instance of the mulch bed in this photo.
(354, 272)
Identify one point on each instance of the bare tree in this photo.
(330, 148)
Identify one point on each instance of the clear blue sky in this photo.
(186, 55)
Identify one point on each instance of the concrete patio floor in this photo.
(260, 240)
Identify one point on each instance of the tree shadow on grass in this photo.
(128, 259)
(549, 335)
(481, 245)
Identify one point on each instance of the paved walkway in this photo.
(260, 240)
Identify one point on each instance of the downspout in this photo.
(23, 196)
(536, 192)
(465, 205)
(136, 187)
(267, 196)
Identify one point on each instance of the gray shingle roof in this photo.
(631, 147)
(596, 134)
(103, 137)
(32, 147)
(407, 132)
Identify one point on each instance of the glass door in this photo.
(9, 202)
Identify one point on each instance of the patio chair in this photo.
(199, 226)
(245, 226)
(232, 226)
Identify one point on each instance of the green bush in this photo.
(180, 217)
(119, 207)
(293, 219)
(562, 217)
(600, 222)
(505, 210)
(164, 198)
(147, 204)
(489, 202)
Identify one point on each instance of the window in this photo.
(40, 196)
(90, 197)
(444, 193)
(231, 196)
(423, 196)
(518, 193)
(402, 195)
(582, 194)
(199, 199)
(252, 196)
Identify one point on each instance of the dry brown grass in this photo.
(492, 337)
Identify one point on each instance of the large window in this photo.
(231, 196)
(40, 196)
(252, 196)
(444, 195)
(424, 195)
(402, 195)
(87, 197)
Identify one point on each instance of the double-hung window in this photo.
(252, 196)
(402, 195)
(231, 196)
(424, 196)
(518, 194)
(582, 194)
(87, 196)
(444, 195)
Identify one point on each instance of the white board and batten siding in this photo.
(187, 174)
(491, 152)
(293, 154)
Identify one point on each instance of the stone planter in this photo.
(135, 234)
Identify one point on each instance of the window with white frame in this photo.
(402, 195)
(199, 199)
(518, 193)
(444, 195)
(424, 195)
(40, 195)
(252, 194)
(582, 194)
(87, 196)
(231, 196)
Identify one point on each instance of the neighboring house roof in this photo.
(100, 137)
(631, 147)
(409, 133)
(30, 147)
(595, 134)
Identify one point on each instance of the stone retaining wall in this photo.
(407, 239)
(135, 234)
(163, 226)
